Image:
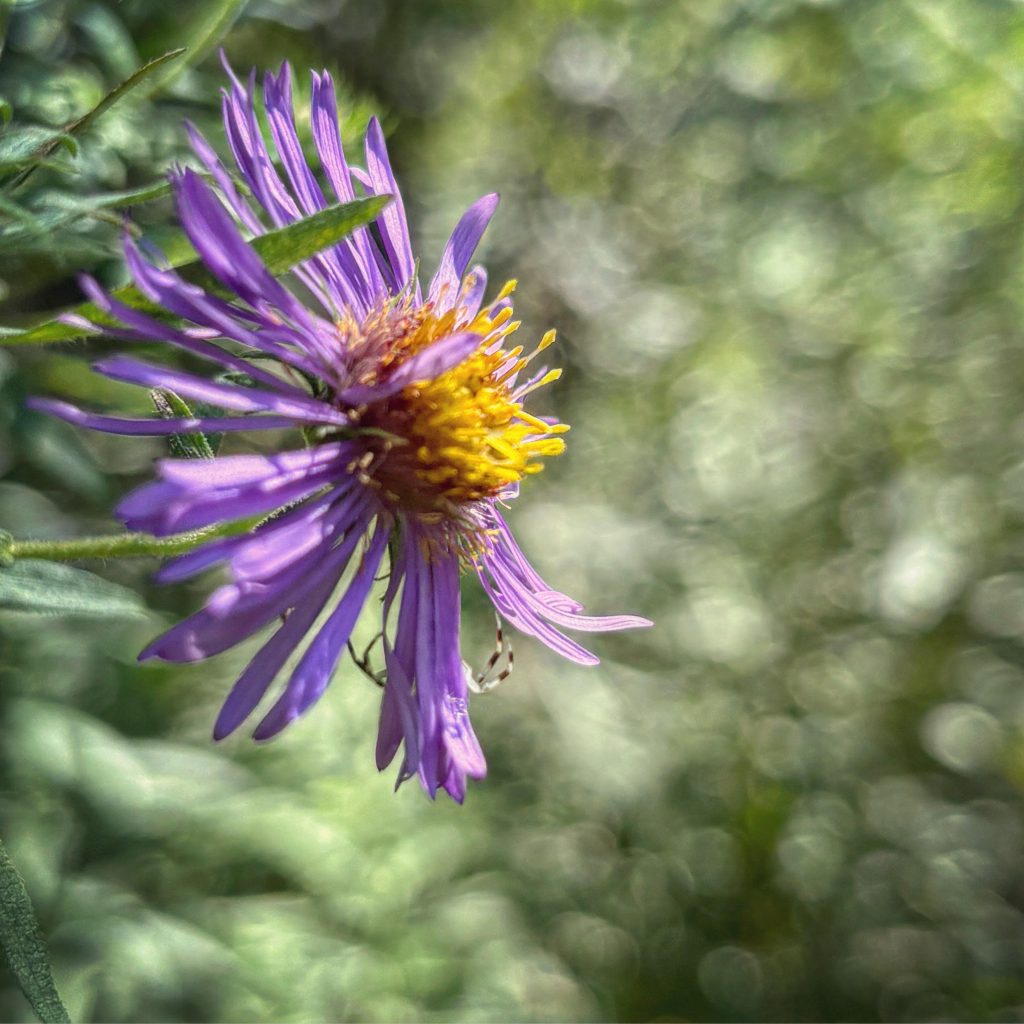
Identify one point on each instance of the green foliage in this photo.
(181, 446)
(781, 241)
(280, 250)
(46, 588)
(24, 948)
(49, 143)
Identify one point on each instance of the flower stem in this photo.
(118, 545)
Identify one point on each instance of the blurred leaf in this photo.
(48, 588)
(24, 946)
(118, 93)
(26, 218)
(280, 250)
(182, 446)
(107, 200)
(83, 123)
(6, 111)
(207, 28)
(30, 145)
(111, 41)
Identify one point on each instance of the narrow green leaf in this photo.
(108, 200)
(181, 446)
(24, 946)
(132, 82)
(48, 588)
(280, 250)
(83, 123)
(27, 145)
(6, 111)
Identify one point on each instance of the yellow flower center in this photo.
(463, 435)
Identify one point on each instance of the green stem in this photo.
(118, 545)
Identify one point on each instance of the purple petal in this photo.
(253, 683)
(266, 550)
(444, 288)
(145, 328)
(220, 175)
(237, 610)
(434, 360)
(314, 671)
(223, 395)
(155, 428)
(222, 249)
(473, 288)
(261, 671)
(327, 137)
(394, 228)
(165, 507)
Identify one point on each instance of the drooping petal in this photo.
(253, 683)
(313, 673)
(237, 610)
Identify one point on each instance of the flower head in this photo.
(412, 407)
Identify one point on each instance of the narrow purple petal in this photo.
(473, 287)
(223, 395)
(254, 682)
(154, 428)
(163, 507)
(327, 138)
(229, 471)
(314, 671)
(434, 360)
(264, 667)
(399, 719)
(394, 227)
(444, 288)
(510, 604)
(237, 610)
(269, 548)
(220, 175)
(222, 249)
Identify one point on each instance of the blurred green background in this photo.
(781, 241)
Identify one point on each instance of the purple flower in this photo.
(412, 409)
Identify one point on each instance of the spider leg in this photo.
(482, 681)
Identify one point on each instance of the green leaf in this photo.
(181, 446)
(107, 200)
(28, 145)
(83, 123)
(280, 250)
(24, 947)
(118, 93)
(6, 111)
(48, 588)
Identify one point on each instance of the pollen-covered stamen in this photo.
(467, 436)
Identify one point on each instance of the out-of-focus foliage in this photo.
(782, 242)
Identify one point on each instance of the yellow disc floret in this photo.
(464, 435)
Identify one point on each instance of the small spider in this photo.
(482, 682)
(363, 663)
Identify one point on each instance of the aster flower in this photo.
(412, 409)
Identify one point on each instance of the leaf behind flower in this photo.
(280, 250)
